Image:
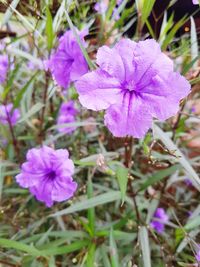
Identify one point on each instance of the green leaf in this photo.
(113, 251)
(49, 29)
(179, 235)
(158, 176)
(37, 107)
(166, 26)
(78, 245)
(23, 90)
(146, 9)
(173, 31)
(193, 223)
(90, 203)
(91, 256)
(122, 177)
(6, 243)
(158, 132)
(11, 79)
(9, 11)
(194, 42)
(106, 262)
(85, 54)
(91, 211)
(144, 244)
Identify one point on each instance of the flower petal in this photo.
(163, 96)
(131, 117)
(43, 192)
(110, 61)
(98, 90)
(63, 189)
(149, 61)
(125, 48)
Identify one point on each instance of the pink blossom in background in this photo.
(159, 221)
(34, 66)
(67, 114)
(101, 6)
(133, 83)
(3, 68)
(197, 256)
(195, 2)
(48, 175)
(8, 114)
(67, 64)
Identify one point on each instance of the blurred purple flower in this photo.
(67, 64)
(8, 114)
(3, 142)
(3, 68)
(67, 114)
(193, 109)
(119, 2)
(115, 14)
(101, 7)
(34, 66)
(195, 2)
(197, 256)
(133, 83)
(188, 182)
(48, 175)
(159, 225)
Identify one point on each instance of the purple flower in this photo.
(8, 114)
(35, 66)
(119, 2)
(3, 68)
(133, 83)
(195, 2)
(115, 14)
(159, 225)
(48, 175)
(197, 256)
(67, 64)
(101, 7)
(188, 182)
(67, 114)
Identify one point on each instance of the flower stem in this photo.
(42, 132)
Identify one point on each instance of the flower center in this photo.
(130, 86)
(51, 175)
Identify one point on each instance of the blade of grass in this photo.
(158, 176)
(49, 29)
(31, 250)
(122, 177)
(158, 133)
(91, 211)
(85, 54)
(194, 43)
(113, 251)
(144, 244)
(90, 203)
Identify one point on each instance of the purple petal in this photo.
(110, 61)
(131, 117)
(158, 226)
(149, 61)
(43, 192)
(63, 189)
(169, 91)
(98, 90)
(125, 48)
